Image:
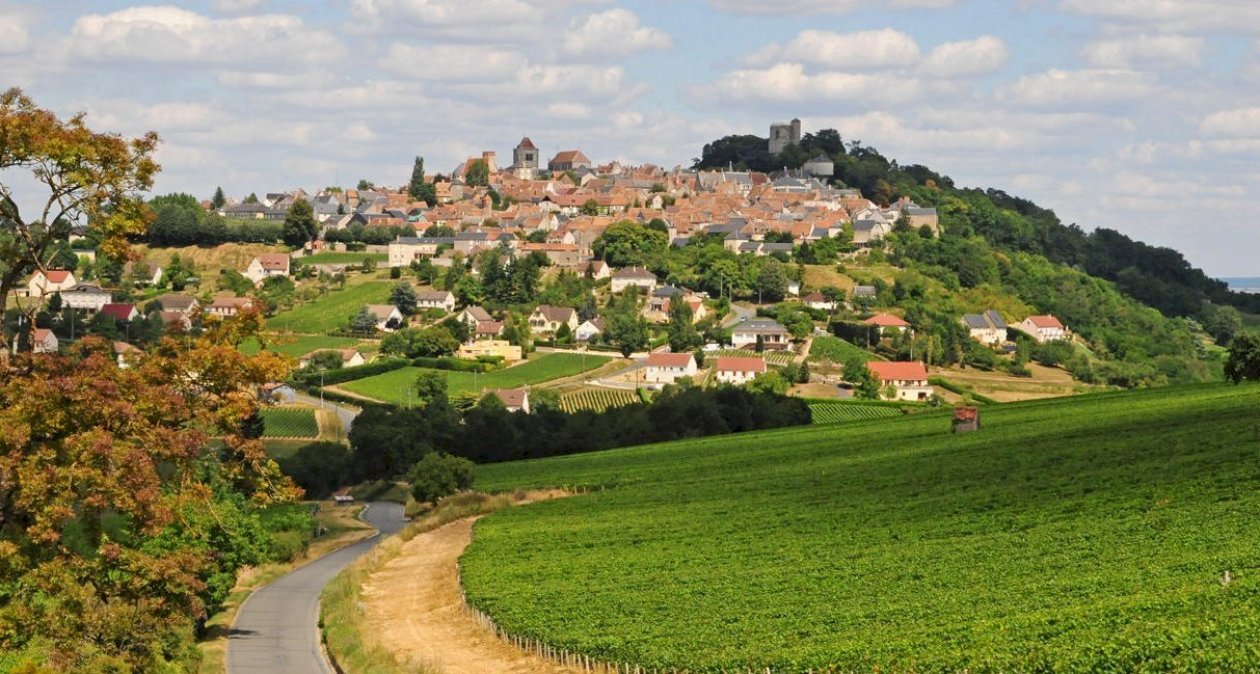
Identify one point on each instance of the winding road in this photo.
(277, 629)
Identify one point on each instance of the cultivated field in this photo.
(836, 350)
(597, 399)
(1103, 533)
(842, 411)
(298, 345)
(332, 312)
(393, 386)
(333, 257)
(772, 357)
(289, 422)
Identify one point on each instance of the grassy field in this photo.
(392, 386)
(333, 311)
(289, 422)
(298, 345)
(1083, 534)
(842, 411)
(208, 260)
(342, 258)
(836, 350)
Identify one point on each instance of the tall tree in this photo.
(1244, 358)
(477, 173)
(300, 225)
(403, 296)
(625, 327)
(683, 335)
(218, 200)
(419, 188)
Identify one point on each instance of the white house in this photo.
(407, 249)
(589, 329)
(267, 265)
(43, 341)
(773, 336)
(909, 380)
(987, 328)
(51, 281)
(817, 300)
(436, 299)
(633, 276)
(473, 315)
(1044, 328)
(665, 368)
(388, 317)
(739, 370)
(887, 323)
(598, 269)
(86, 297)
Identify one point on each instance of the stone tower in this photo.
(784, 134)
(525, 159)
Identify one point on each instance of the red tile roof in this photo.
(119, 312)
(898, 371)
(511, 397)
(274, 260)
(740, 364)
(57, 275)
(886, 321)
(669, 359)
(1047, 321)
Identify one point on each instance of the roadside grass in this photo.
(333, 311)
(393, 386)
(342, 527)
(341, 617)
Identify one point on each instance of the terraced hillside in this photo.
(1102, 533)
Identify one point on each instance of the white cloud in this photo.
(1241, 123)
(980, 56)
(1145, 50)
(820, 6)
(13, 36)
(452, 62)
(616, 32)
(789, 83)
(1073, 88)
(236, 6)
(843, 51)
(167, 34)
(1174, 16)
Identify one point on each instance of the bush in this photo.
(438, 475)
(318, 467)
(453, 364)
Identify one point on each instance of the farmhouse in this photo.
(267, 265)
(773, 336)
(349, 357)
(817, 300)
(987, 328)
(548, 319)
(909, 380)
(887, 323)
(388, 317)
(737, 370)
(43, 341)
(51, 281)
(86, 297)
(436, 299)
(472, 315)
(633, 276)
(224, 307)
(1044, 328)
(666, 368)
(514, 399)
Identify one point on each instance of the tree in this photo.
(176, 274)
(430, 387)
(218, 200)
(628, 243)
(252, 198)
(403, 296)
(772, 281)
(865, 385)
(769, 382)
(624, 327)
(365, 185)
(477, 173)
(1244, 358)
(438, 475)
(589, 207)
(419, 188)
(682, 332)
(363, 322)
(327, 359)
(300, 225)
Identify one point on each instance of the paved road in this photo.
(345, 414)
(277, 630)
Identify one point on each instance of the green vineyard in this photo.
(837, 412)
(597, 399)
(1100, 533)
(289, 422)
(779, 358)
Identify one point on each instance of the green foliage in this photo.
(624, 327)
(281, 422)
(1140, 515)
(439, 475)
(683, 335)
(1244, 358)
(865, 384)
(597, 399)
(325, 360)
(477, 173)
(835, 412)
(329, 312)
(628, 243)
(318, 468)
(431, 342)
(403, 296)
(300, 225)
(836, 350)
(419, 188)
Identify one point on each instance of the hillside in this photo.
(1082, 534)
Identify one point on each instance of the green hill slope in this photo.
(1081, 534)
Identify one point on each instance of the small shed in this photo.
(966, 419)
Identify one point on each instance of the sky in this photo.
(1138, 115)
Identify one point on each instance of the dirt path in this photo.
(413, 608)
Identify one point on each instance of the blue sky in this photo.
(1140, 115)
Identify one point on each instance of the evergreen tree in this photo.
(218, 200)
(363, 322)
(404, 297)
(419, 188)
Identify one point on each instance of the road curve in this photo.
(277, 629)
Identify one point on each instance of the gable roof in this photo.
(118, 311)
(760, 325)
(273, 261)
(556, 314)
(512, 397)
(55, 275)
(1047, 321)
(381, 312)
(886, 321)
(670, 359)
(740, 364)
(634, 273)
(898, 370)
(176, 302)
(478, 314)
